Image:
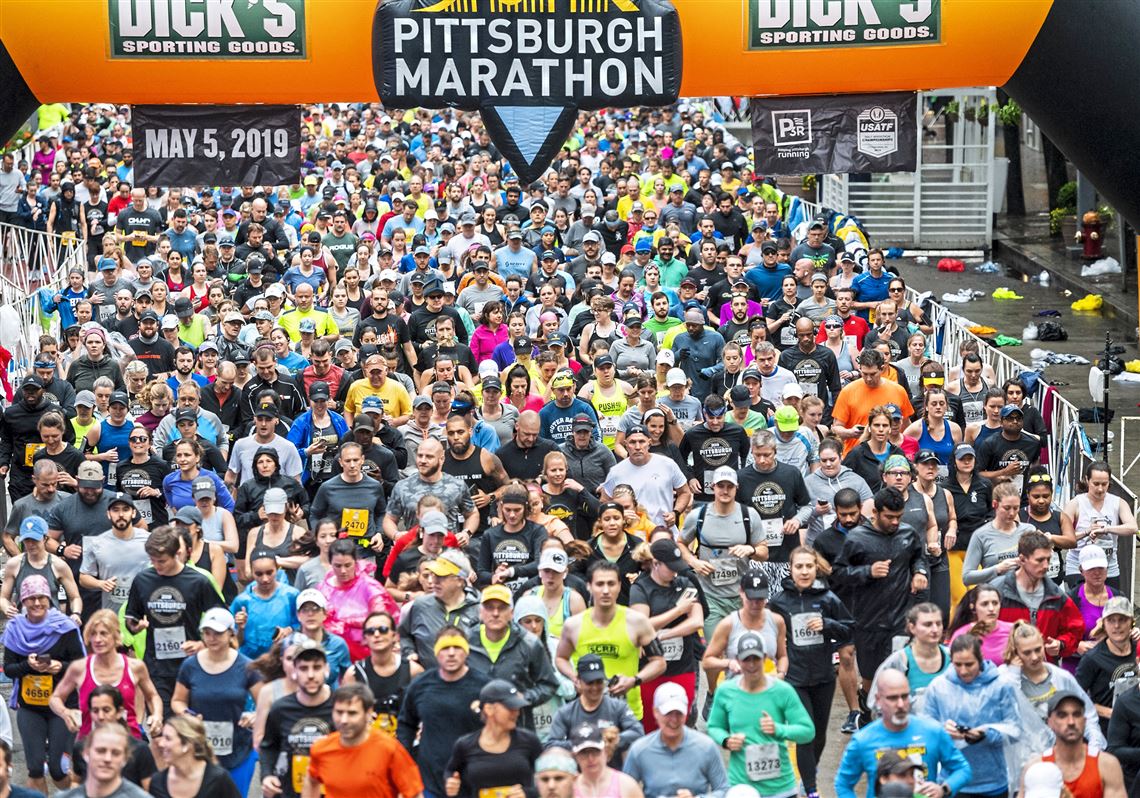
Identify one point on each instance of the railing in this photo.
(1068, 452)
(31, 260)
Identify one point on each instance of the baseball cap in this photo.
(593, 236)
(667, 357)
(964, 450)
(582, 421)
(689, 281)
(793, 390)
(275, 500)
(203, 487)
(189, 515)
(1117, 605)
(755, 586)
(182, 308)
(363, 421)
(751, 373)
(587, 737)
(307, 326)
(318, 390)
(671, 697)
(497, 593)
(555, 560)
(787, 418)
(500, 691)
(185, 414)
(668, 554)
(1093, 557)
(421, 401)
(230, 317)
(591, 668)
(306, 646)
(119, 398)
(31, 381)
(217, 619)
(107, 264)
(926, 456)
(891, 764)
(675, 377)
(89, 475)
(739, 393)
(33, 528)
(1041, 780)
(275, 290)
(1065, 695)
(817, 225)
(311, 596)
(492, 384)
(1009, 410)
(750, 644)
(434, 523)
(85, 398)
(603, 360)
(451, 563)
(725, 474)
(768, 247)
(267, 410)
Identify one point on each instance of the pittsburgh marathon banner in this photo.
(836, 134)
(527, 65)
(216, 145)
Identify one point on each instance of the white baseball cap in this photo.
(1093, 556)
(555, 560)
(670, 697)
(218, 619)
(311, 596)
(676, 377)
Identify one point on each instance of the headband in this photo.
(556, 761)
(451, 641)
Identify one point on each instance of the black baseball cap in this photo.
(318, 390)
(755, 586)
(591, 668)
(926, 456)
(668, 554)
(500, 691)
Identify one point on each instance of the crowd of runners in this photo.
(412, 480)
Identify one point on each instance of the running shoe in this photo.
(851, 725)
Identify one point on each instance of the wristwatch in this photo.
(637, 681)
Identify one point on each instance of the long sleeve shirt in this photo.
(922, 738)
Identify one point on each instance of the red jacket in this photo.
(1057, 617)
(410, 538)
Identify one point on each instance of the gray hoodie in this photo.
(824, 488)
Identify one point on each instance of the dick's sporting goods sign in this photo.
(804, 24)
(833, 135)
(231, 29)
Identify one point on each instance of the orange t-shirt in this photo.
(377, 768)
(856, 401)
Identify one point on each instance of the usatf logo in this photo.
(877, 132)
(231, 29)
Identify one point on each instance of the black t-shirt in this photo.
(157, 356)
(216, 783)
(96, 215)
(67, 461)
(172, 605)
(421, 325)
(132, 477)
(524, 464)
(995, 453)
(147, 220)
(661, 599)
(460, 354)
(705, 278)
(291, 728)
(777, 494)
(711, 450)
(480, 770)
(1103, 674)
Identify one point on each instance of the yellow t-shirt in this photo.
(624, 204)
(291, 320)
(392, 394)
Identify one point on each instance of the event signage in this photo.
(835, 134)
(216, 145)
(802, 24)
(527, 65)
(230, 29)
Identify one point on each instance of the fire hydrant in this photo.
(1090, 236)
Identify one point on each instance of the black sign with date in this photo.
(216, 145)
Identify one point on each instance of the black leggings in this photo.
(816, 699)
(46, 738)
(940, 591)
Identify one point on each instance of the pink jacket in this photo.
(349, 606)
(483, 341)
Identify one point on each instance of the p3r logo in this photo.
(791, 128)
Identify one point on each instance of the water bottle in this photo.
(1044, 279)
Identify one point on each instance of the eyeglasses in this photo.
(1040, 478)
(138, 439)
(897, 473)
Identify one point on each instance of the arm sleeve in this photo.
(718, 730)
(971, 575)
(850, 771)
(954, 770)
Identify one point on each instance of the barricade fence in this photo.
(31, 260)
(1068, 451)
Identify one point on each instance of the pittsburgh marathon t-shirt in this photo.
(132, 477)
(291, 728)
(173, 606)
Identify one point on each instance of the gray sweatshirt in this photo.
(825, 488)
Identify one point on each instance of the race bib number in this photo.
(973, 411)
(355, 522)
(300, 764)
(30, 450)
(67, 236)
(773, 531)
(1054, 570)
(168, 642)
(810, 388)
(608, 426)
(146, 511)
(673, 648)
(121, 590)
(943, 471)
(544, 718)
(762, 761)
(801, 635)
(35, 689)
(851, 341)
(221, 736)
(494, 792)
(725, 572)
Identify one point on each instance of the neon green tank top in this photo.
(610, 409)
(617, 651)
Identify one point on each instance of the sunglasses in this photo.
(1035, 478)
(895, 288)
(833, 326)
(138, 439)
(377, 630)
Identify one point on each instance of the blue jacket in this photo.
(988, 702)
(301, 435)
(178, 493)
(922, 738)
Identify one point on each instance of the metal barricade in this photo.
(31, 260)
(1068, 452)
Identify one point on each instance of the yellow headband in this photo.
(451, 641)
